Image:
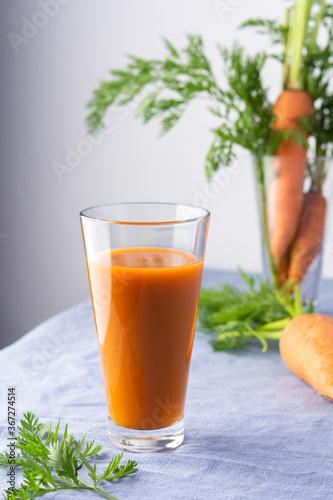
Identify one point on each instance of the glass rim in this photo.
(204, 215)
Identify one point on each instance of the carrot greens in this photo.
(51, 463)
(314, 71)
(258, 311)
(163, 88)
(242, 106)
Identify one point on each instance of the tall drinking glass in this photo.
(145, 264)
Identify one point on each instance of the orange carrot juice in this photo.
(145, 304)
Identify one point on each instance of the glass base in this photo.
(146, 441)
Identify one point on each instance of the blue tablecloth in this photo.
(253, 429)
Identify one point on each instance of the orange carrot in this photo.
(306, 347)
(308, 240)
(286, 189)
(282, 272)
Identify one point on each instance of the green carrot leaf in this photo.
(51, 462)
(257, 311)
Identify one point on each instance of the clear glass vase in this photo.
(293, 213)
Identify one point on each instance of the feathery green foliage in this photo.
(270, 27)
(164, 88)
(51, 463)
(183, 74)
(317, 68)
(236, 316)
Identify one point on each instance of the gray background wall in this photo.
(47, 77)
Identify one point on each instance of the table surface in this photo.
(253, 429)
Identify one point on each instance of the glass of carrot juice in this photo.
(145, 263)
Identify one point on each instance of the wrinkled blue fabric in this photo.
(253, 429)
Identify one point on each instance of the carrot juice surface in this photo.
(145, 303)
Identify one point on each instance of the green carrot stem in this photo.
(297, 301)
(284, 303)
(97, 490)
(314, 33)
(259, 167)
(271, 335)
(273, 326)
(286, 48)
(300, 21)
(262, 340)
